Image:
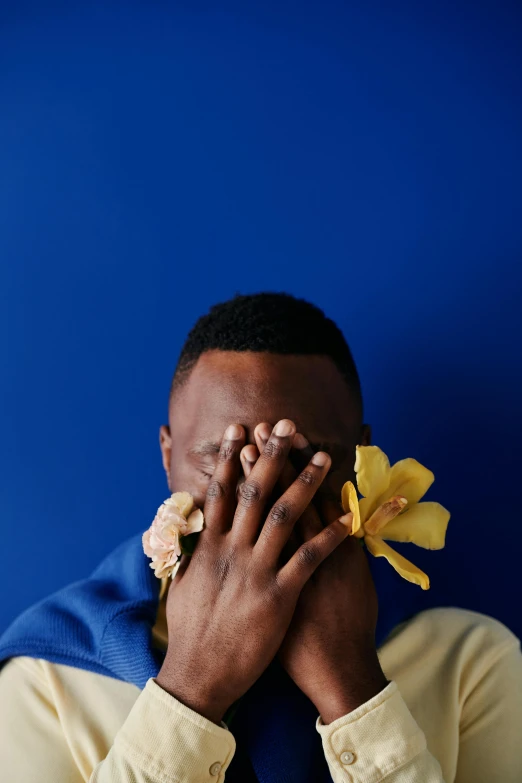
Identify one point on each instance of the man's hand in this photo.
(230, 604)
(329, 649)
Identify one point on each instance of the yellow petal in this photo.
(183, 501)
(423, 524)
(373, 474)
(345, 496)
(409, 479)
(350, 503)
(365, 509)
(407, 570)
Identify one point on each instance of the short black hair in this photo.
(276, 323)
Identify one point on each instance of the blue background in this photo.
(158, 157)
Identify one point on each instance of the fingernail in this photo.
(233, 432)
(347, 520)
(320, 459)
(284, 428)
(263, 431)
(249, 453)
(300, 441)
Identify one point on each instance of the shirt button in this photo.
(215, 769)
(347, 757)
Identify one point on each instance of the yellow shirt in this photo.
(452, 713)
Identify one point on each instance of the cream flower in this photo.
(390, 509)
(176, 517)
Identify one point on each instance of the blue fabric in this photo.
(104, 623)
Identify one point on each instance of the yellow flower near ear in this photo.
(390, 509)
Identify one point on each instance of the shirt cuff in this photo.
(375, 739)
(170, 741)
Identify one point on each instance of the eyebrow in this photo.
(206, 448)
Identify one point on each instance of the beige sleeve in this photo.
(380, 740)
(161, 741)
(490, 746)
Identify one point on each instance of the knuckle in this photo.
(307, 478)
(250, 493)
(216, 490)
(227, 452)
(280, 514)
(308, 555)
(273, 449)
(274, 593)
(329, 534)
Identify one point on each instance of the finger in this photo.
(256, 490)
(287, 477)
(327, 500)
(249, 456)
(283, 515)
(220, 501)
(299, 569)
(261, 434)
(309, 524)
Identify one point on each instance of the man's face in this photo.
(227, 387)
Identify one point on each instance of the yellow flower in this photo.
(390, 509)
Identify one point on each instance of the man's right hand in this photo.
(230, 603)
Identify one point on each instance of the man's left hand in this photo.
(329, 649)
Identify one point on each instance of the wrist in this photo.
(342, 702)
(350, 686)
(192, 695)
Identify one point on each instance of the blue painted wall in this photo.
(158, 157)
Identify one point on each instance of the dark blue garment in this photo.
(104, 623)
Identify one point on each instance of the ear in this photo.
(165, 440)
(366, 435)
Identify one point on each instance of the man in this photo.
(274, 614)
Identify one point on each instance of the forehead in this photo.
(228, 387)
